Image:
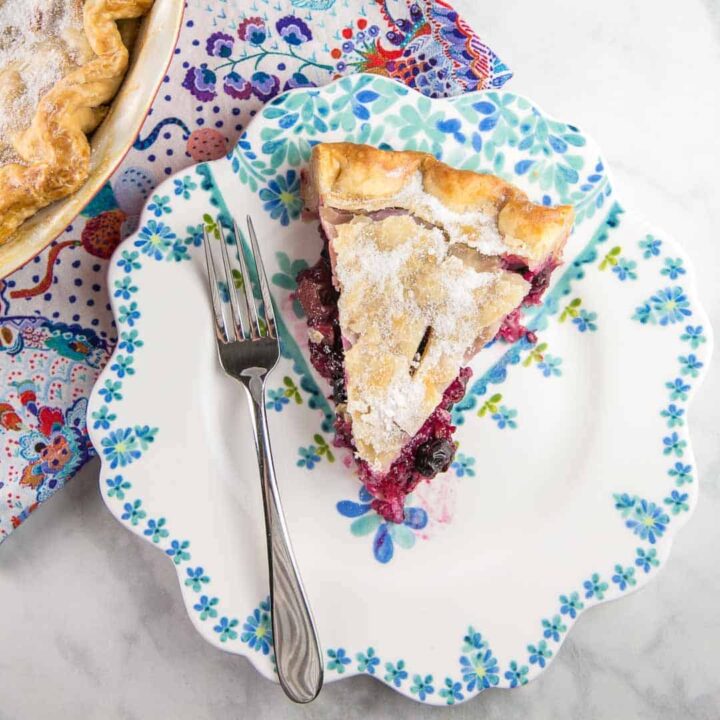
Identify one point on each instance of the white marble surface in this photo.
(92, 625)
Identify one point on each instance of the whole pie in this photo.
(422, 266)
(61, 62)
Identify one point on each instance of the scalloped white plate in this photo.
(574, 470)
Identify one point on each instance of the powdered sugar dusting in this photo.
(40, 42)
(476, 229)
(397, 279)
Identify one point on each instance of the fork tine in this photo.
(247, 285)
(262, 278)
(220, 329)
(234, 294)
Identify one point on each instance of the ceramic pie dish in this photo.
(150, 55)
(574, 471)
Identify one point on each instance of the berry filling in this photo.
(512, 328)
(431, 450)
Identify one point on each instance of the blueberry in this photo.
(339, 392)
(434, 456)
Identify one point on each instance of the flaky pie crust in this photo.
(54, 149)
(404, 262)
(360, 177)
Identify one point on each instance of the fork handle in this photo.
(297, 649)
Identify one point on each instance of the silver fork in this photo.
(248, 348)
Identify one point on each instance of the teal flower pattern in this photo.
(206, 607)
(276, 400)
(133, 512)
(123, 366)
(178, 551)
(624, 577)
(257, 629)
(549, 366)
(690, 365)
(308, 457)
(585, 321)
(124, 288)
(648, 521)
(595, 587)
(422, 686)
(505, 417)
(281, 197)
(677, 502)
(571, 604)
(681, 473)
(184, 186)
(129, 314)
(196, 578)
(554, 628)
(673, 268)
(480, 670)
(367, 661)
(226, 629)
(670, 305)
(156, 529)
(694, 336)
(154, 239)
(516, 674)
(128, 261)
(396, 673)
(451, 691)
(103, 418)
(130, 342)
(338, 660)
(463, 465)
(625, 269)
(674, 445)
(650, 247)
(159, 205)
(646, 560)
(117, 487)
(678, 389)
(540, 653)
(120, 448)
(674, 415)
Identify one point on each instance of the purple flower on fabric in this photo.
(219, 44)
(264, 86)
(298, 80)
(252, 30)
(293, 30)
(236, 86)
(394, 38)
(201, 83)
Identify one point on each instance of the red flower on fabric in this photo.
(50, 420)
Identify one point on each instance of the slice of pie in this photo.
(61, 62)
(422, 266)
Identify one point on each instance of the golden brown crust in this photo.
(359, 177)
(54, 149)
(397, 279)
(418, 250)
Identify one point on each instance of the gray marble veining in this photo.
(92, 625)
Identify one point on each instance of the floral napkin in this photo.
(56, 327)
